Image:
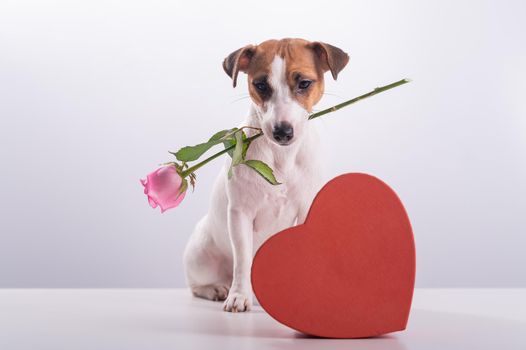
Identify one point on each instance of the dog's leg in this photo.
(240, 228)
(309, 159)
(307, 196)
(205, 269)
(302, 213)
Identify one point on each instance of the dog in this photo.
(285, 81)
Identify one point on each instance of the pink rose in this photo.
(163, 188)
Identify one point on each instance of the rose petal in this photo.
(152, 203)
(162, 187)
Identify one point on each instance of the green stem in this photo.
(214, 156)
(312, 116)
(240, 129)
(359, 98)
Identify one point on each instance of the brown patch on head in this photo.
(306, 63)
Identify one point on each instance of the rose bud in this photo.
(164, 188)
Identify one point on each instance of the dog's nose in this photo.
(283, 132)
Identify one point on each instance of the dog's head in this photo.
(285, 80)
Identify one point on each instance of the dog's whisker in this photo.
(239, 99)
(330, 94)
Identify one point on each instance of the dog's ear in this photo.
(238, 61)
(331, 57)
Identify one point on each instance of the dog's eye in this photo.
(261, 86)
(304, 84)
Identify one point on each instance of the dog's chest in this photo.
(277, 211)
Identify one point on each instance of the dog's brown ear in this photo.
(331, 57)
(238, 61)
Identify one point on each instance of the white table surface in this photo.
(158, 319)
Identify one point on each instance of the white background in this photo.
(93, 94)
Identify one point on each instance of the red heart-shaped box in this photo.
(348, 271)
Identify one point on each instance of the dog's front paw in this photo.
(238, 302)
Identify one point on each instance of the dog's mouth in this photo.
(284, 143)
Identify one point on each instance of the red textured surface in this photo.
(349, 271)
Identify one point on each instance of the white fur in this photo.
(246, 210)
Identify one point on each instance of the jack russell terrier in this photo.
(285, 81)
